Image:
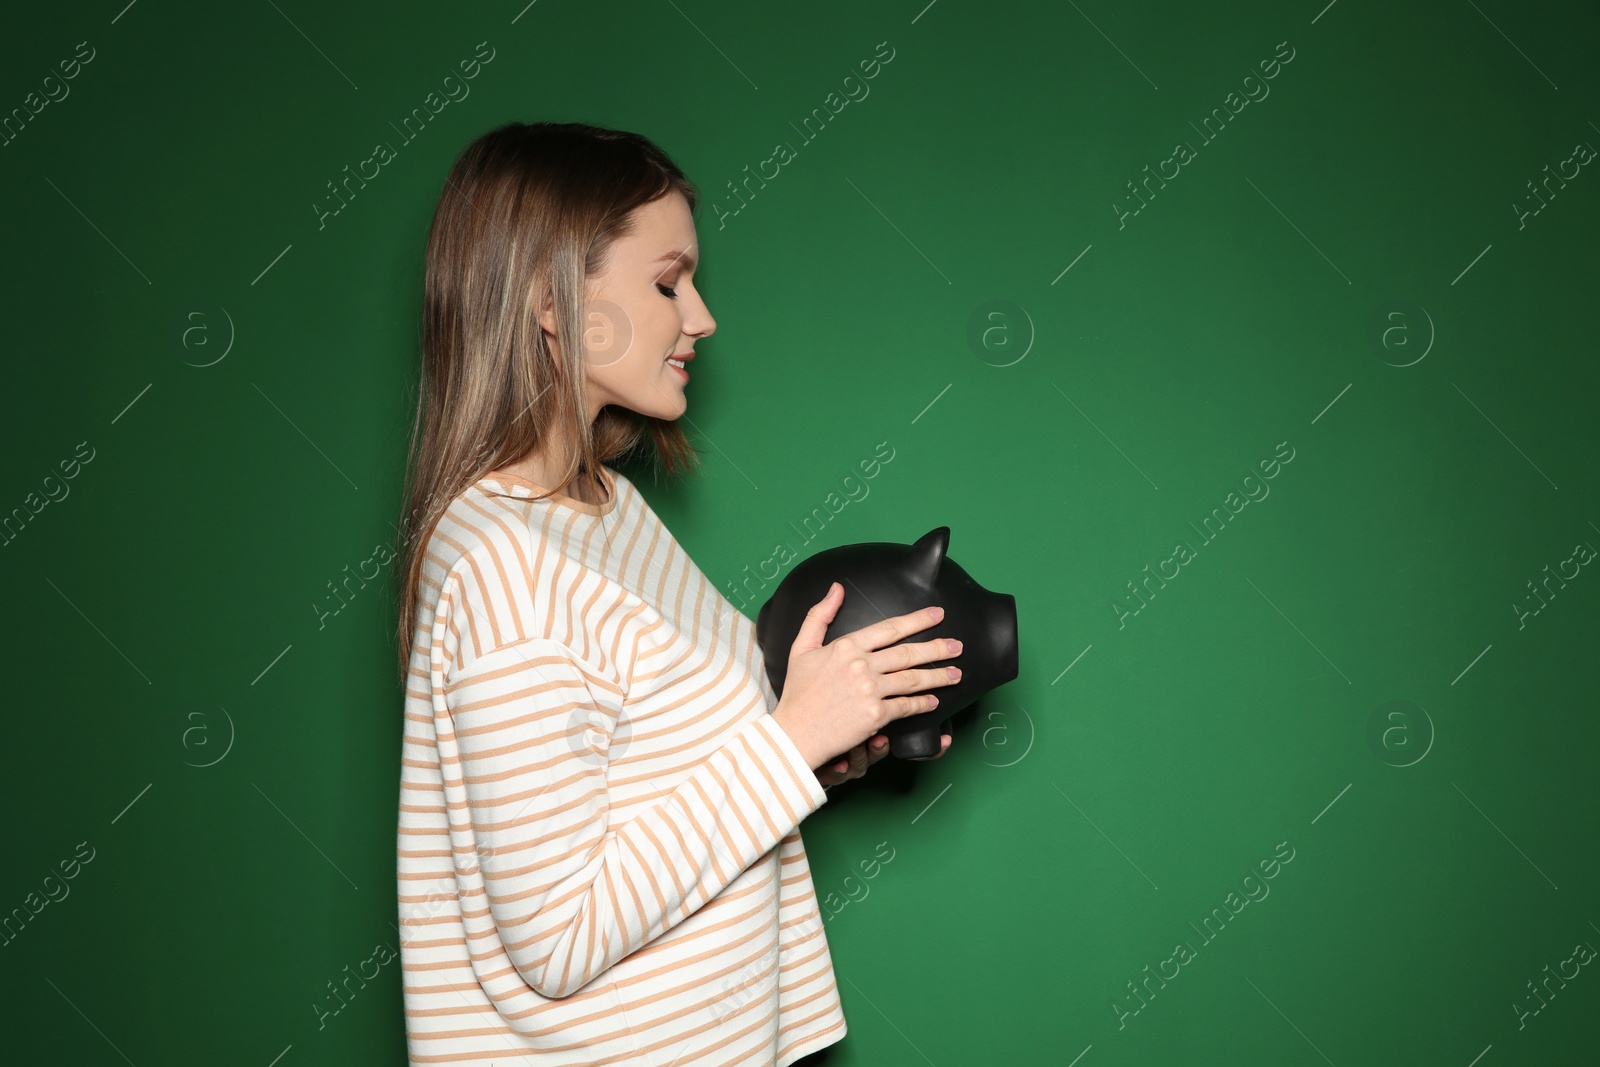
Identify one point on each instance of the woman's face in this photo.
(642, 309)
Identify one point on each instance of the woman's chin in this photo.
(664, 405)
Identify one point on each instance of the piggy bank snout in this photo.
(1002, 632)
(987, 630)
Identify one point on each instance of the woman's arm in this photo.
(522, 735)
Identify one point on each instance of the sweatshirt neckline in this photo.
(562, 499)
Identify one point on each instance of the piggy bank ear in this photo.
(927, 555)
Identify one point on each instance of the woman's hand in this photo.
(840, 695)
(860, 758)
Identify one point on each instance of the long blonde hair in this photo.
(528, 213)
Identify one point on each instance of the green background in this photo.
(1342, 670)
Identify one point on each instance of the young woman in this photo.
(599, 856)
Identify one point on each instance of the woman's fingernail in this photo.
(879, 742)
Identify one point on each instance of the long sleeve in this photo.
(524, 738)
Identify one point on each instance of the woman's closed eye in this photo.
(667, 291)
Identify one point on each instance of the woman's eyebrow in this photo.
(688, 261)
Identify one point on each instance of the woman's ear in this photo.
(547, 311)
(547, 327)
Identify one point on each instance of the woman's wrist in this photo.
(799, 739)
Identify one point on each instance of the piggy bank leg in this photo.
(915, 739)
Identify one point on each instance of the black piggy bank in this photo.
(882, 579)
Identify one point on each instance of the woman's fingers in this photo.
(858, 761)
(854, 764)
(846, 766)
(886, 632)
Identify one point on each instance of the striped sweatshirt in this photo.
(599, 856)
